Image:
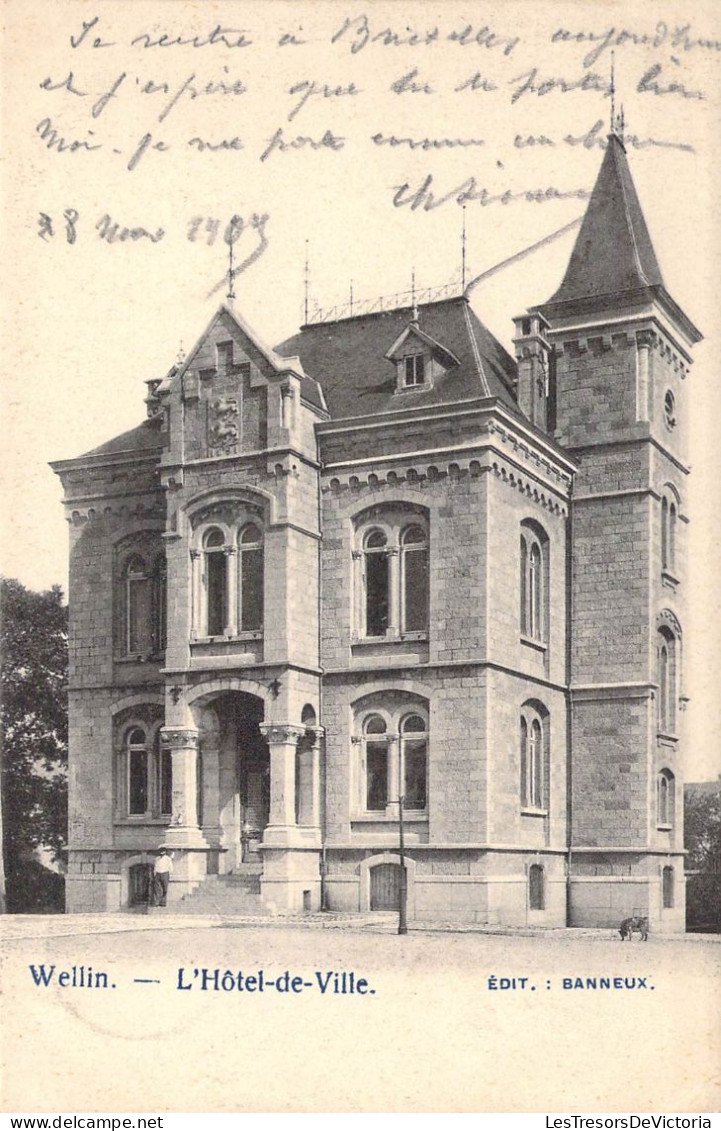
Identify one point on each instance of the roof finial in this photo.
(613, 92)
(351, 298)
(463, 251)
(414, 315)
(231, 237)
(306, 285)
(181, 354)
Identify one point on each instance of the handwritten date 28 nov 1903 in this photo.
(200, 229)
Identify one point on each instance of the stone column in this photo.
(286, 407)
(394, 591)
(183, 831)
(282, 740)
(196, 616)
(231, 612)
(394, 775)
(309, 778)
(359, 620)
(644, 341)
(315, 795)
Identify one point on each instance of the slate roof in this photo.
(146, 437)
(613, 252)
(348, 358)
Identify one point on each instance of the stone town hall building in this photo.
(385, 558)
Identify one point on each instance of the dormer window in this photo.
(415, 370)
(420, 360)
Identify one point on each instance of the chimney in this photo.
(533, 357)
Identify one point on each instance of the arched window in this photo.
(394, 758)
(137, 767)
(536, 893)
(216, 581)
(377, 595)
(414, 579)
(534, 582)
(666, 799)
(392, 574)
(414, 759)
(138, 618)
(534, 758)
(667, 650)
(376, 763)
(667, 886)
(250, 547)
(669, 522)
(144, 774)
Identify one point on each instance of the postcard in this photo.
(360, 395)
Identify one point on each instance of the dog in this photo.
(635, 923)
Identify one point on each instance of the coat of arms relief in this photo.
(223, 422)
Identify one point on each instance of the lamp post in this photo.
(403, 894)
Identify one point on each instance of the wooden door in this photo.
(385, 887)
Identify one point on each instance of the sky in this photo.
(134, 137)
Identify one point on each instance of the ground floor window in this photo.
(667, 884)
(394, 759)
(536, 894)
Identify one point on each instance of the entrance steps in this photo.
(234, 893)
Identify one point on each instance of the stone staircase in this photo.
(235, 893)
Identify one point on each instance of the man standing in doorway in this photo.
(161, 879)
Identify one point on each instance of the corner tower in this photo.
(621, 359)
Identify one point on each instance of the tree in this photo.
(34, 734)
(702, 822)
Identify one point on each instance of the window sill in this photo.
(666, 738)
(413, 815)
(140, 658)
(239, 638)
(664, 828)
(669, 580)
(536, 645)
(401, 638)
(141, 819)
(422, 388)
(534, 812)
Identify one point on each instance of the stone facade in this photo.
(385, 563)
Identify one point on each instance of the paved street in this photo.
(425, 1032)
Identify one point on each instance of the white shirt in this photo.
(163, 864)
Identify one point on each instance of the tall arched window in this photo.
(137, 764)
(216, 581)
(227, 565)
(534, 758)
(250, 548)
(534, 582)
(376, 763)
(144, 773)
(138, 618)
(414, 760)
(377, 595)
(669, 522)
(666, 798)
(414, 579)
(667, 680)
(394, 758)
(391, 574)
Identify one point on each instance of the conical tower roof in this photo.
(613, 261)
(613, 252)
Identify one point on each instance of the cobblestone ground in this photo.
(430, 1037)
